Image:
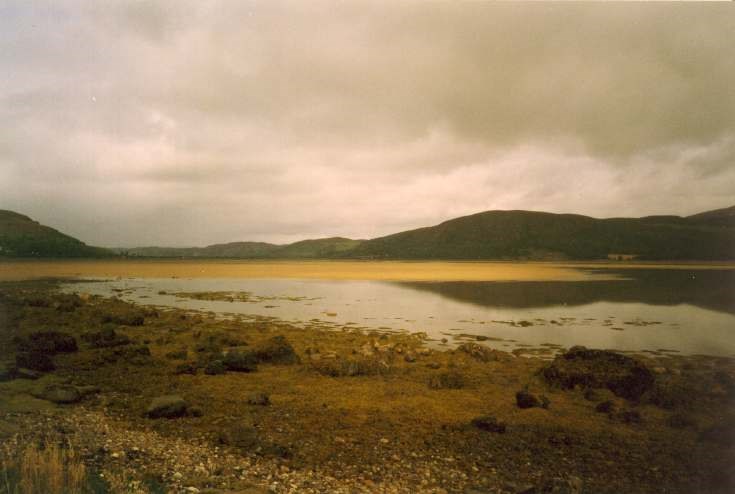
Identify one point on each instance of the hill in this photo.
(20, 236)
(537, 235)
(322, 248)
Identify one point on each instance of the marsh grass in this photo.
(42, 469)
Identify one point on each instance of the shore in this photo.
(262, 406)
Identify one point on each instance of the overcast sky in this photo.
(191, 123)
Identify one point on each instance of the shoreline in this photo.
(353, 412)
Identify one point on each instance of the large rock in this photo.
(36, 361)
(105, 338)
(61, 393)
(446, 380)
(482, 353)
(49, 342)
(489, 423)
(167, 406)
(276, 350)
(623, 375)
(238, 361)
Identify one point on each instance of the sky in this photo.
(188, 123)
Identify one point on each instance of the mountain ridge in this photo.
(487, 235)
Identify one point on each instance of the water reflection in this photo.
(708, 289)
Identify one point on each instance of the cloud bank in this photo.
(191, 123)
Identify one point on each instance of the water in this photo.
(687, 311)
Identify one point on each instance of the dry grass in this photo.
(45, 469)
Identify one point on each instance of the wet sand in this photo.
(336, 270)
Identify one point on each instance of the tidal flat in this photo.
(155, 397)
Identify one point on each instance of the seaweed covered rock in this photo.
(105, 338)
(50, 342)
(61, 393)
(276, 350)
(167, 406)
(482, 353)
(623, 375)
(37, 361)
(489, 423)
(446, 380)
(352, 366)
(238, 361)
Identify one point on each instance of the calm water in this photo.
(691, 311)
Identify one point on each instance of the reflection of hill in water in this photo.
(709, 289)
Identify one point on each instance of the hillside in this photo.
(20, 236)
(305, 249)
(535, 235)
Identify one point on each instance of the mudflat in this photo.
(346, 270)
(170, 400)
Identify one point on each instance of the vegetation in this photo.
(20, 236)
(41, 469)
(511, 235)
(533, 235)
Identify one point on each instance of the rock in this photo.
(194, 411)
(21, 373)
(7, 372)
(88, 390)
(239, 436)
(349, 367)
(446, 380)
(623, 375)
(627, 417)
(186, 368)
(489, 423)
(434, 365)
(214, 368)
(276, 350)
(62, 394)
(524, 399)
(177, 355)
(129, 318)
(482, 353)
(557, 485)
(240, 361)
(608, 406)
(105, 338)
(409, 358)
(259, 399)
(49, 342)
(167, 406)
(36, 361)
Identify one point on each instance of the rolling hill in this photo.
(491, 235)
(536, 235)
(20, 236)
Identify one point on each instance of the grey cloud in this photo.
(186, 123)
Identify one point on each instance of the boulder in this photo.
(50, 342)
(446, 380)
(167, 406)
(623, 375)
(61, 393)
(238, 361)
(489, 423)
(215, 367)
(259, 399)
(239, 436)
(276, 350)
(36, 361)
(557, 485)
(105, 338)
(524, 399)
(483, 353)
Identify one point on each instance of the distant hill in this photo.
(498, 235)
(305, 249)
(20, 236)
(536, 235)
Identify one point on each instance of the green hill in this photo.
(20, 236)
(322, 248)
(535, 235)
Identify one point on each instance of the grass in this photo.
(42, 469)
